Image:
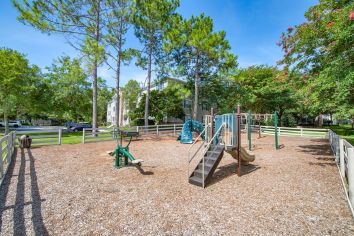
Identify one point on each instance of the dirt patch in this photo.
(74, 189)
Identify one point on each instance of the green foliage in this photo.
(80, 20)
(199, 54)
(20, 85)
(131, 93)
(260, 89)
(105, 95)
(321, 49)
(165, 103)
(151, 20)
(71, 93)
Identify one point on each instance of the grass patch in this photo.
(344, 131)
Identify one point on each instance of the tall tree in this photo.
(165, 103)
(198, 52)
(17, 79)
(118, 21)
(131, 93)
(70, 89)
(80, 20)
(151, 20)
(321, 49)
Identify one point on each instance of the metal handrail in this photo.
(198, 137)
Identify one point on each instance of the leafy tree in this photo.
(105, 95)
(260, 89)
(70, 90)
(321, 49)
(199, 54)
(118, 21)
(80, 20)
(17, 82)
(131, 93)
(165, 103)
(150, 20)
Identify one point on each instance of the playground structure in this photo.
(122, 154)
(251, 124)
(188, 127)
(221, 133)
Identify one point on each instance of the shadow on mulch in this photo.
(317, 150)
(226, 171)
(143, 172)
(19, 227)
(322, 164)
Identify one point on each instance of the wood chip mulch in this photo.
(75, 190)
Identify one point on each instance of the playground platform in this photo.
(75, 190)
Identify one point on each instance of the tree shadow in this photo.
(37, 218)
(19, 226)
(322, 164)
(317, 149)
(226, 171)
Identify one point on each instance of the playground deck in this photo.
(74, 189)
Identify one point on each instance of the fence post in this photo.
(157, 129)
(137, 128)
(1, 162)
(341, 159)
(301, 131)
(59, 138)
(351, 174)
(83, 135)
(174, 129)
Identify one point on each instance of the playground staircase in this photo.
(212, 159)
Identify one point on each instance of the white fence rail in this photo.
(7, 147)
(344, 153)
(42, 137)
(288, 131)
(104, 134)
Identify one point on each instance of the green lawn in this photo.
(345, 131)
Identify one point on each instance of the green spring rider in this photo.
(122, 154)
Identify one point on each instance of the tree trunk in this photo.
(118, 76)
(280, 114)
(6, 123)
(146, 116)
(94, 72)
(196, 87)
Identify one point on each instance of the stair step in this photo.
(207, 166)
(199, 173)
(196, 181)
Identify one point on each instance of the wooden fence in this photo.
(292, 132)
(344, 154)
(104, 134)
(42, 137)
(7, 148)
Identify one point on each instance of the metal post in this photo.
(341, 159)
(249, 130)
(212, 123)
(351, 174)
(157, 129)
(1, 162)
(276, 129)
(238, 140)
(83, 135)
(59, 138)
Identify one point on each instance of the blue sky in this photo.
(252, 27)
